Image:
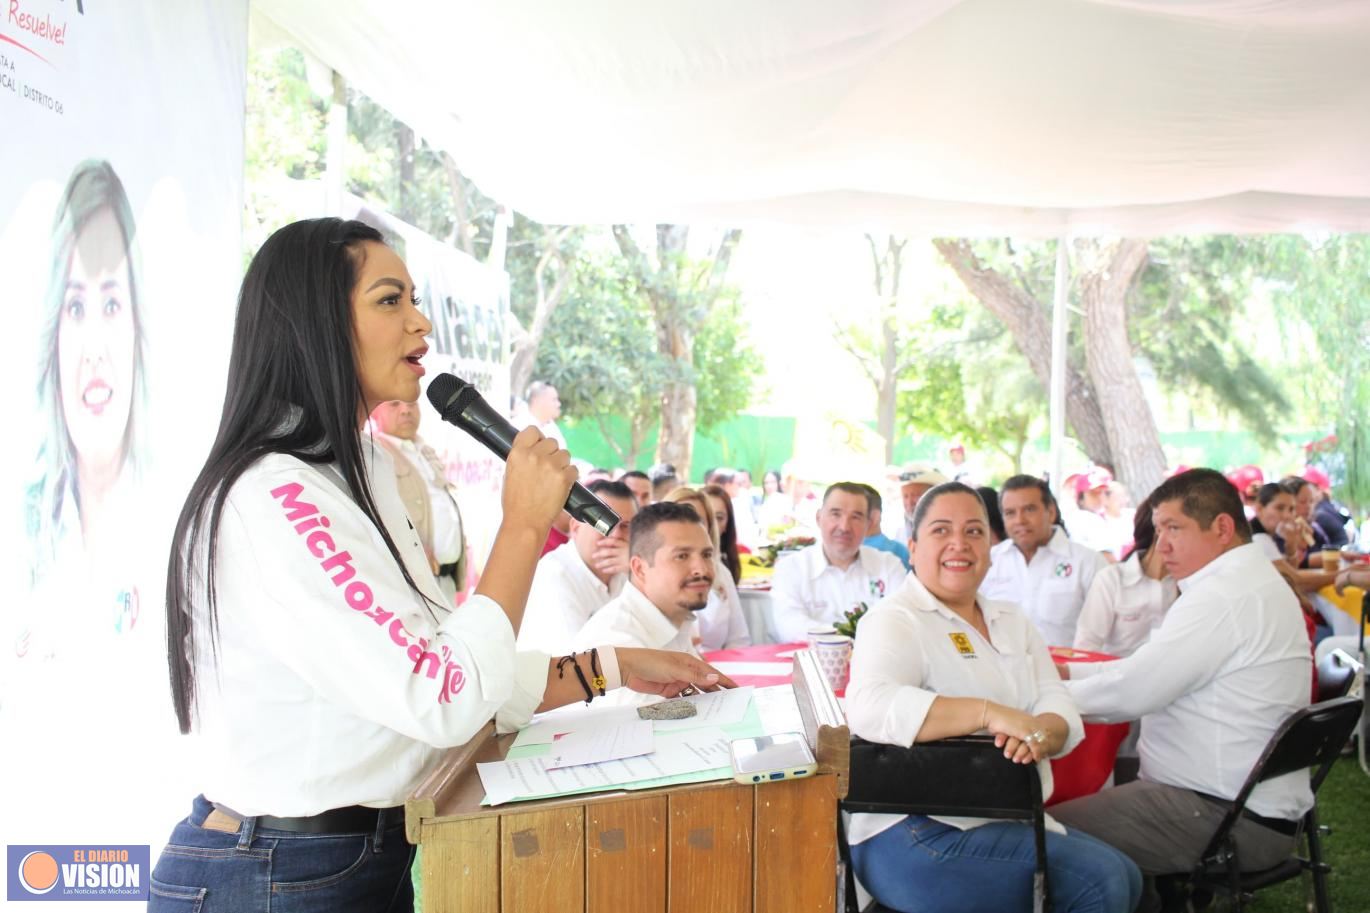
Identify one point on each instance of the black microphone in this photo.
(461, 404)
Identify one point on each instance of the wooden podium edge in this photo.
(440, 781)
(825, 725)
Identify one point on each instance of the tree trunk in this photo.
(676, 304)
(1026, 319)
(888, 270)
(526, 340)
(461, 232)
(1133, 440)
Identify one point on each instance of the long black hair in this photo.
(293, 388)
(727, 539)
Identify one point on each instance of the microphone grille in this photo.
(443, 388)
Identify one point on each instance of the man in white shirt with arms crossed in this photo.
(818, 586)
(1229, 663)
(1038, 566)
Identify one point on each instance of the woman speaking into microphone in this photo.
(310, 647)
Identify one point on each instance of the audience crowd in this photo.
(1205, 595)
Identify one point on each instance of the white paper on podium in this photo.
(713, 708)
(602, 743)
(676, 753)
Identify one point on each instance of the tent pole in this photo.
(1059, 329)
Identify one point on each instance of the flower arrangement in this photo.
(847, 626)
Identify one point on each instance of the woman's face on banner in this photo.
(95, 342)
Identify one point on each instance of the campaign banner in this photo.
(120, 244)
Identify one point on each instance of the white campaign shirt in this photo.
(1229, 663)
(1050, 589)
(564, 594)
(722, 624)
(1122, 608)
(632, 620)
(335, 683)
(807, 591)
(1268, 547)
(907, 653)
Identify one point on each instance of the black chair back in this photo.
(1311, 738)
(965, 776)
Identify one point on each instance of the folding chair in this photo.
(964, 776)
(1311, 738)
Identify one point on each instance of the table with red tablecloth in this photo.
(1083, 771)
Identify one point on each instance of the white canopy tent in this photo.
(952, 117)
(1046, 118)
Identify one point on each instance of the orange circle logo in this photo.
(38, 872)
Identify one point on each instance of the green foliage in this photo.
(600, 354)
(284, 133)
(971, 384)
(1186, 315)
(1322, 285)
(600, 351)
(727, 370)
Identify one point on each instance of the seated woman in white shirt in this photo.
(932, 661)
(1127, 600)
(722, 625)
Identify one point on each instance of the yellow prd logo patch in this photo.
(962, 642)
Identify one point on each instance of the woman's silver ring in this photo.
(1037, 736)
(688, 690)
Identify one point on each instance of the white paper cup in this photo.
(833, 652)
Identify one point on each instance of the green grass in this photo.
(1343, 805)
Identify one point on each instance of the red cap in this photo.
(1094, 478)
(1317, 477)
(1245, 477)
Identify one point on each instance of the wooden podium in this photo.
(716, 847)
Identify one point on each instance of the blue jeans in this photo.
(260, 869)
(921, 865)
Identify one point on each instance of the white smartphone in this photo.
(785, 756)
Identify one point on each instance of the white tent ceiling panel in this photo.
(978, 116)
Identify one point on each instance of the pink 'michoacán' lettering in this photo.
(359, 596)
(318, 541)
(342, 563)
(295, 509)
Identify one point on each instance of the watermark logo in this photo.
(78, 872)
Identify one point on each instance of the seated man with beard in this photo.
(670, 573)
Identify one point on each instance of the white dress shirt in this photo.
(722, 624)
(1229, 663)
(632, 620)
(807, 591)
(335, 683)
(564, 594)
(1268, 547)
(907, 654)
(1122, 608)
(1051, 588)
